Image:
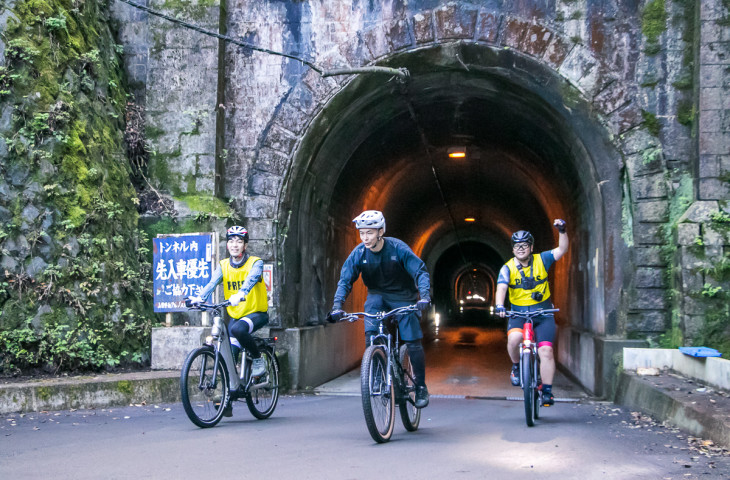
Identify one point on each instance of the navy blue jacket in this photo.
(394, 272)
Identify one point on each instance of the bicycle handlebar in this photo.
(206, 306)
(534, 313)
(351, 317)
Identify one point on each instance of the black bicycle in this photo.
(530, 364)
(211, 380)
(386, 377)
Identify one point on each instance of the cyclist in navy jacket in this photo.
(395, 277)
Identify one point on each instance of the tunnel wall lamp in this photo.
(470, 219)
(457, 152)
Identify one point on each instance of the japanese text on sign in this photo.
(183, 265)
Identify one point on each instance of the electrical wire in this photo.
(400, 73)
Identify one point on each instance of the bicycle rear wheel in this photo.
(527, 372)
(378, 402)
(204, 396)
(263, 396)
(409, 414)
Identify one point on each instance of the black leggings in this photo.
(418, 360)
(242, 328)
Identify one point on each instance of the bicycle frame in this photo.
(220, 340)
(384, 339)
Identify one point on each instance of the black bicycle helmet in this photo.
(522, 236)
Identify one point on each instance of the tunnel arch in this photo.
(336, 169)
(546, 153)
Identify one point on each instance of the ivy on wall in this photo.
(75, 287)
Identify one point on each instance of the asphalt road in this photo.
(324, 437)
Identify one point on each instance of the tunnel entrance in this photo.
(532, 152)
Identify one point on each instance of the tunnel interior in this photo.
(385, 146)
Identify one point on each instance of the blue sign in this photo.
(182, 267)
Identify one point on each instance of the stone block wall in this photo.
(173, 73)
(714, 101)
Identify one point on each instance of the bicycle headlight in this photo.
(209, 340)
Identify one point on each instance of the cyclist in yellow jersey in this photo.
(243, 286)
(525, 276)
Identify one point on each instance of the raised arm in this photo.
(563, 242)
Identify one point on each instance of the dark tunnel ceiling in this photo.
(514, 150)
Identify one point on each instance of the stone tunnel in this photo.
(551, 102)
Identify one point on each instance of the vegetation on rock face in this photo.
(715, 293)
(653, 24)
(75, 290)
(712, 329)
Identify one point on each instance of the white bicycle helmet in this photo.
(237, 231)
(370, 219)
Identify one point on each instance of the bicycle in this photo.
(530, 364)
(210, 379)
(386, 379)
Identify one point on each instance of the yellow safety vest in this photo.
(233, 279)
(517, 294)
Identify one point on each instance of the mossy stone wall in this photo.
(75, 290)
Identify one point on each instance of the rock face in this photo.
(74, 264)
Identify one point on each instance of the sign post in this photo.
(183, 265)
(268, 277)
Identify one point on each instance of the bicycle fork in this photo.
(385, 344)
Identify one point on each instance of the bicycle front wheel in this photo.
(409, 414)
(527, 372)
(263, 396)
(378, 402)
(204, 395)
(538, 386)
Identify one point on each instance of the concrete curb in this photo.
(98, 391)
(670, 398)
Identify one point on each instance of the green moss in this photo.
(152, 132)
(571, 96)
(681, 199)
(195, 10)
(125, 387)
(44, 393)
(651, 122)
(684, 82)
(686, 112)
(207, 204)
(654, 20)
(577, 15)
(160, 171)
(68, 99)
(651, 155)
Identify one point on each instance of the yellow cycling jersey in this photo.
(520, 296)
(233, 279)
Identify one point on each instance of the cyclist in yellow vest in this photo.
(243, 286)
(526, 277)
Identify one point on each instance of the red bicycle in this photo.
(530, 364)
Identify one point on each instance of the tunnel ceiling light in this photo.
(470, 219)
(457, 152)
